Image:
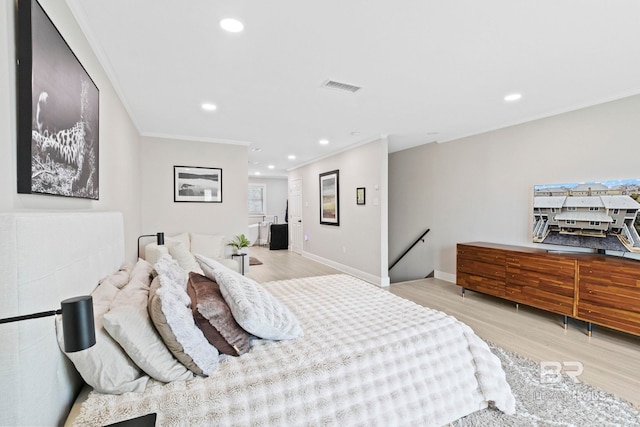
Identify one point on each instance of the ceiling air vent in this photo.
(345, 87)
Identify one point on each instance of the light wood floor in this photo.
(611, 359)
(284, 264)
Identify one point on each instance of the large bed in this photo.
(366, 357)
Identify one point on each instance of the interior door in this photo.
(295, 215)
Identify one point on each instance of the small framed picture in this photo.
(197, 184)
(360, 195)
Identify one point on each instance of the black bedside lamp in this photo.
(77, 322)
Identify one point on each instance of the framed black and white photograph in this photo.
(360, 195)
(58, 112)
(197, 184)
(330, 198)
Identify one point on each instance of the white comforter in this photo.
(367, 358)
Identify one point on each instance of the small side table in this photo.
(241, 261)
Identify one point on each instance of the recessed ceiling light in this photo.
(291, 157)
(513, 97)
(231, 25)
(257, 173)
(324, 142)
(271, 166)
(207, 106)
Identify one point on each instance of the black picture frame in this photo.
(57, 112)
(330, 198)
(196, 184)
(361, 195)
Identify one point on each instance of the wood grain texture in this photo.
(595, 288)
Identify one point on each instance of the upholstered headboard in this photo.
(44, 259)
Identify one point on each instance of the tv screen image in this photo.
(596, 215)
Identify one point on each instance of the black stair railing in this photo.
(421, 238)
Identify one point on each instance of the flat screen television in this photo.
(602, 216)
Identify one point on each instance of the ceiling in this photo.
(430, 71)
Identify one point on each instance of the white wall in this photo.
(161, 213)
(119, 139)
(276, 190)
(359, 245)
(480, 188)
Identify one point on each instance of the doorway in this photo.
(295, 215)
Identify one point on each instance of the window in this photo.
(257, 199)
(616, 211)
(571, 208)
(594, 208)
(570, 222)
(594, 222)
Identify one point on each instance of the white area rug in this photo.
(552, 400)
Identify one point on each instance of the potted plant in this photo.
(240, 243)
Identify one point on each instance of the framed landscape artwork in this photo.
(58, 112)
(330, 198)
(197, 184)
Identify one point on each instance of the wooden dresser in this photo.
(598, 289)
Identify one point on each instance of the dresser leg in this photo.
(589, 329)
(565, 321)
(463, 292)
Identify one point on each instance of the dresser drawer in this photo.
(486, 255)
(616, 273)
(560, 285)
(540, 298)
(615, 318)
(479, 268)
(550, 264)
(609, 295)
(481, 284)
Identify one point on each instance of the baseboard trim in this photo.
(376, 280)
(445, 276)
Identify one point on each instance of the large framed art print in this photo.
(330, 198)
(58, 112)
(197, 184)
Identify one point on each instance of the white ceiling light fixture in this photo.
(513, 97)
(207, 106)
(291, 157)
(324, 142)
(271, 167)
(257, 173)
(231, 25)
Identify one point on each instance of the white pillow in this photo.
(120, 277)
(128, 322)
(183, 338)
(209, 245)
(185, 259)
(254, 308)
(180, 238)
(153, 252)
(104, 366)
